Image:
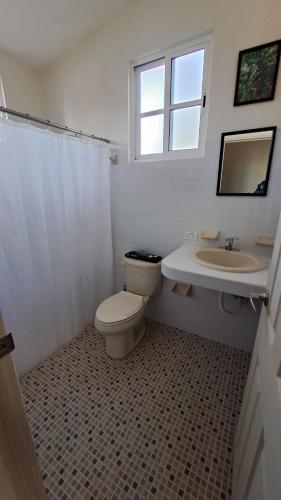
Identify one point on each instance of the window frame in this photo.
(154, 60)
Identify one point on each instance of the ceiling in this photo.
(39, 31)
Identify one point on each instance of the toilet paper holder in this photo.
(182, 289)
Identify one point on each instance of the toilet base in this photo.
(120, 345)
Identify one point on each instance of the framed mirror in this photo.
(245, 161)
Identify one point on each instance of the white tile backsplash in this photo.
(153, 203)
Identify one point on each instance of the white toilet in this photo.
(120, 318)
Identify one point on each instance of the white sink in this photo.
(240, 277)
(229, 261)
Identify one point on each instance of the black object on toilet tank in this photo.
(143, 255)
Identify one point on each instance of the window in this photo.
(169, 103)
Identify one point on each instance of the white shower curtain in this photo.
(56, 246)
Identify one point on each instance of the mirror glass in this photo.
(245, 160)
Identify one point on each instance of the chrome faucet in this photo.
(228, 244)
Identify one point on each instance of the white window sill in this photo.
(175, 155)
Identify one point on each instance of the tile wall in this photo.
(153, 203)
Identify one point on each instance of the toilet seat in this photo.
(119, 308)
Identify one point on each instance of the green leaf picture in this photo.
(257, 73)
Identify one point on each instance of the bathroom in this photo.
(185, 401)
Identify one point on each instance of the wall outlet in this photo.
(191, 235)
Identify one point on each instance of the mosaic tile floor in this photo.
(158, 424)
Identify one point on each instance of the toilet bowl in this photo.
(120, 318)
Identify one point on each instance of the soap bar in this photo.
(265, 239)
(209, 234)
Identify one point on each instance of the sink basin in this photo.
(229, 261)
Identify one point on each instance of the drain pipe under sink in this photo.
(222, 307)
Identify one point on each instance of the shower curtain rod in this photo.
(35, 119)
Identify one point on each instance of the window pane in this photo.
(152, 134)
(184, 128)
(152, 89)
(187, 77)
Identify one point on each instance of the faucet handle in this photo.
(228, 245)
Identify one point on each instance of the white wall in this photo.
(23, 85)
(89, 86)
(153, 203)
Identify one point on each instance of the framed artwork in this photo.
(257, 73)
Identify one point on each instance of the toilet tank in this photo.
(142, 278)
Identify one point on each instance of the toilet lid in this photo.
(119, 307)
